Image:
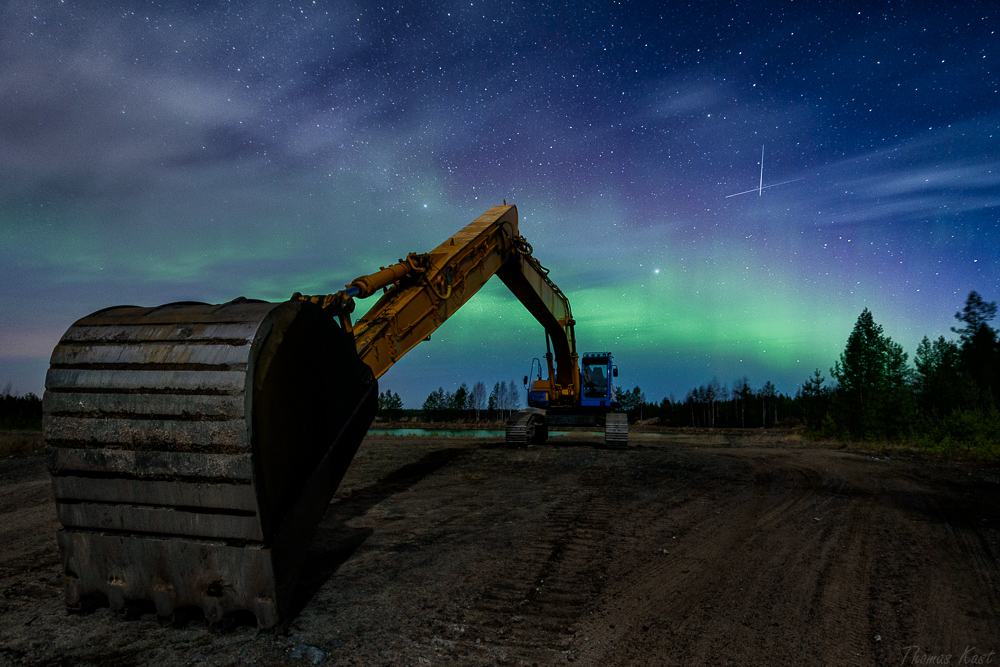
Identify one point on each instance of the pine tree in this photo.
(980, 353)
(976, 315)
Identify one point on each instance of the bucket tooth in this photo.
(266, 612)
(214, 604)
(116, 594)
(163, 599)
(71, 591)
(194, 443)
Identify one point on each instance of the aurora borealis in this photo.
(166, 152)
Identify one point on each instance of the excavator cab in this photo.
(596, 373)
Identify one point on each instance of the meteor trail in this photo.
(765, 187)
(760, 186)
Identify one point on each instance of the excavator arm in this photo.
(422, 291)
(194, 447)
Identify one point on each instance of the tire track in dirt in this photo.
(918, 605)
(829, 521)
(730, 589)
(529, 616)
(658, 555)
(559, 536)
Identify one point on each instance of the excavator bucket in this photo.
(194, 448)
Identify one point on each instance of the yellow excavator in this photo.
(194, 448)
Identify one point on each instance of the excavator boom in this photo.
(444, 279)
(422, 291)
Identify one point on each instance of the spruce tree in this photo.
(390, 405)
(939, 380)
(872, 376)
(435, 405)
(460, 401)
(814, 400)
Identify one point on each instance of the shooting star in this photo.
(760, 186)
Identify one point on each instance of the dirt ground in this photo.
(682, 550)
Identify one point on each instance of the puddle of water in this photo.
(496, 433)
(442, 433)
(451, 433)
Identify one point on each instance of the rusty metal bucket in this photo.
(194, 448)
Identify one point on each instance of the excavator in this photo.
(194, 448)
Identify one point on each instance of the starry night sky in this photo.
(157, 152)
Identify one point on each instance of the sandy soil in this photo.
(678, 551)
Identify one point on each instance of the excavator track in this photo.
(194, 448)
(526, 427)
(616, 430)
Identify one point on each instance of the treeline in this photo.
(19, 412)
(949, 396)
(474, 404)
(715, 405)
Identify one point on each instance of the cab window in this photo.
(595, 380)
